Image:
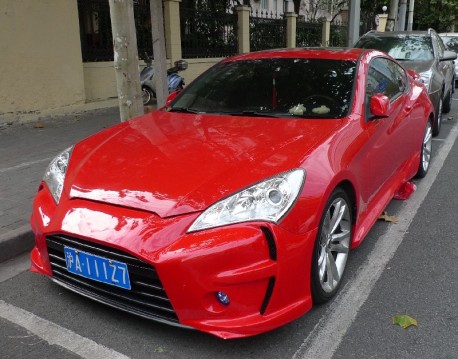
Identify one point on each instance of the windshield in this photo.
(401, 47)
(287, 87)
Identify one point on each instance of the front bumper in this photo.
(264, 269)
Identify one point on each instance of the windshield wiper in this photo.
(253, 114)
(183, 110)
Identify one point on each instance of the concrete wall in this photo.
(41, 66)
(40, 55)
(99, 80)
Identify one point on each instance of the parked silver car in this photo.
(451, 43)
(425, 53)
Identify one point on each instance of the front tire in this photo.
(332, 247)
(438, 120)
(425, 155)
(447, 103)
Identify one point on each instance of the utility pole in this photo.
(126, 59)
(392, 15)
(353, 22)
(160, 59)
(402, 15)
(410, 17)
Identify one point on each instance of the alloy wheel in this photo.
(438, 123)
(334, 245)
(426, 150)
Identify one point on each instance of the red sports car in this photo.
(233, 209)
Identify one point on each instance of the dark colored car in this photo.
(425, 53)
(451, 43)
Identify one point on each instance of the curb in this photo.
(32, 116)
(16, 242)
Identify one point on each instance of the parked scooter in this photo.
(148, 82)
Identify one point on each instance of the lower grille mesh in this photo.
(147, 297)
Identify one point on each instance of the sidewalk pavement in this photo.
(26, 148)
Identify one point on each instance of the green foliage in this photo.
(308, 34)
(207, 28)
(267, 34)
(436, 14)
(374, 6)
(208, 5)
(338, 36)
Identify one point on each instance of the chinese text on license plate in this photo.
(97, 268)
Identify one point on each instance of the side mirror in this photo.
(448, 55)
(413, 74)
(380, 105)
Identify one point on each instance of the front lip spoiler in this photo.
(113, 304)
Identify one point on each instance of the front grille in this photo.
(146, 298)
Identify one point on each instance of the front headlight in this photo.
(425, 77)
(267, 201)
(55, 173)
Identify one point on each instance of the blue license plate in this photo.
(97, 268)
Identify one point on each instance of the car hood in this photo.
(418, 66)
(172, 163)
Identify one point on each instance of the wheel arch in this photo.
(349, 189)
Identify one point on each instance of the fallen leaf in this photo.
(38, 125)
(384, 216)
(404, 321)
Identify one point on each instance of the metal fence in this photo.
(339, 35)
(308, 34)
(267, 31)
(204, 34)
(207, 34)
(95, 29)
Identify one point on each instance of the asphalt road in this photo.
(408, 267)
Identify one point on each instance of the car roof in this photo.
(318, 53)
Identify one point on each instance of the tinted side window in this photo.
(385, 77)
(451, 43)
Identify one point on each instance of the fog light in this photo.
(222, 298)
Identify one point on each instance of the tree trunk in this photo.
(392, 16)
(126, 59)
(160, 60)
(402, 15)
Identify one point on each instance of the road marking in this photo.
(57, 335)
(25, 164)
(325, 338)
